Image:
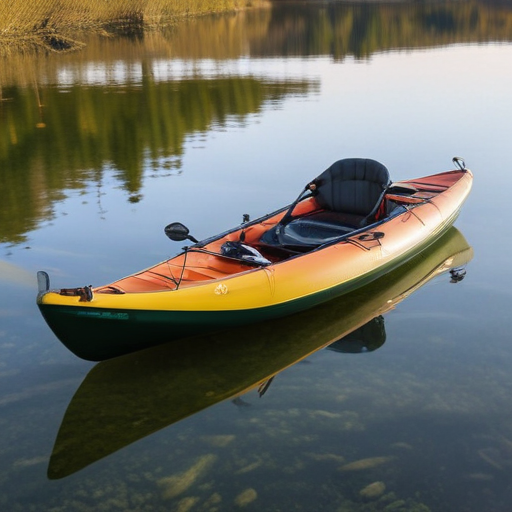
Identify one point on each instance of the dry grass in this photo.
(53, 24)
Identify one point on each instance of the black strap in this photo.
(288, 215)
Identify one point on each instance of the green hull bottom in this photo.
(99, 334)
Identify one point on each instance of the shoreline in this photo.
(41, 28)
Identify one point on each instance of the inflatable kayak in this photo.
(348, 227)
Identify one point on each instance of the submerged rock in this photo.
(214, 499)
(484, 477)
(500, 455)
(246, 497)
(373, 491)
(403, 446)
(186, 504)
(326, 414)
(250, 467)
(218, 441)
(492, 456)
(177, 484)
(326, 457)
(368, 463)
(25, 463)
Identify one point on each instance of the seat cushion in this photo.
(312, 230)
(352, 185)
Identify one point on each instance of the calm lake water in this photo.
(215, 118)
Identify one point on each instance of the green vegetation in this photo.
(69, 140)
(358, 28)
(52, 24)
(363, 28)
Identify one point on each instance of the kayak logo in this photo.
(105, 315)
(221, 289)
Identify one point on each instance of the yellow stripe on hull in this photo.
(334, 266)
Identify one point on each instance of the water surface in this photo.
(202, 123)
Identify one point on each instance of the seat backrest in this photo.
(352, 185)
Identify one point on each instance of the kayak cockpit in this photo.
(353, 195)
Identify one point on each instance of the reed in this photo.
(53, 24)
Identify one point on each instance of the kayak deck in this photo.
(206, 263)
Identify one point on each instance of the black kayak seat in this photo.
(349, 192)
(353, 186)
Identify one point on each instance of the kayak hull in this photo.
(110, 325)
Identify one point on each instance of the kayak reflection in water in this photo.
(367, 338)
